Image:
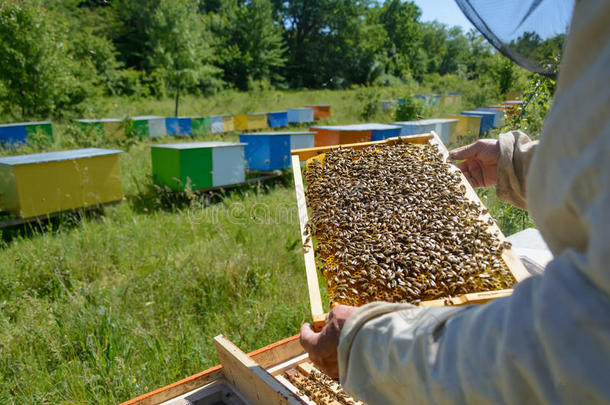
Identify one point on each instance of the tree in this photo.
(180, 47)
(252, 44)
(37, 71)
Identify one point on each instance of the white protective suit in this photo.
(550, 341)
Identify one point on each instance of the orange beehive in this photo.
(341, 134)
(320, 111)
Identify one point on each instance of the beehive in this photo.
(200, 125)
(248, 122)
(200, 165)
(149, 126)
(344, 134)
(45, 183)
(15, 135)
(299, 115)
(512, 107)
(228, 123)
(498, 115)
(467, 125)
(277, 119)
(487, 119)
(216, 124)
(178, 126)
(267, 151)
(320, 111)
(433, 240)
(444, 127)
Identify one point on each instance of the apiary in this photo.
(320, 111)
(178, 126)
(46, 183)
(277, 119)
(14, 135)
(498, 115)
(392, 221)
(200, 165)
(278, 374)
(299, 115)
(200, 125)
(248, 122)
(341, 134)
(487, 119)
(152, 126)
(467, 125)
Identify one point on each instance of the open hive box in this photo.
(278, 374)
(393, 221)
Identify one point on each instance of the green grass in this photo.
(102, 308)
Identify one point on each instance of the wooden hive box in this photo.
(512, 107)
(415, 127)
(277, 119)
(320, 111)
(267, 376)
(498, 115)
(178, 126)
(442, 126)
(228, 123)
(216, 124)
(106, 128)
(383, 131)
(299, 115)
(15, 135)
(341, 134)
(487, 119)
(149, 126)
(318, 315)
(201, 165)
(200, 125)
(46, 183)
(267, 151)
(248, 122)
(467, 125)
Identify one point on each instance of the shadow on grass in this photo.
(152, 197)
(12, 230)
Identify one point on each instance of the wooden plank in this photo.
(308, 153)
(249, 378)
(315, 300)
(278, 352)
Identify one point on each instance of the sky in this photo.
(445, 11)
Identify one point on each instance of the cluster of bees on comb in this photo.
(393, 223)
(319, 388)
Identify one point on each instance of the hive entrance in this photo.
(393, 223)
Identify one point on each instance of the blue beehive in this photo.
(266, 151)
(301, 140)
(415, 127)
(487, 119)
(299, 115)
(178, 126)
(13, 134)
(216, 124)
(380, 132)
(277, 119)
(499, 116)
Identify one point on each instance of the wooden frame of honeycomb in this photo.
(425, 288)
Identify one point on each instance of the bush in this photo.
(411, 109)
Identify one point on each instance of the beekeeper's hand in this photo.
(479, 162)
(322, 346)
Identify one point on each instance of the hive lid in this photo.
(299, 108)
(478, 112)
(147, 117)
(88, 120)
(278, 133)
(197, 145)
(357, 127)
(317, 105)
(56, 156)
(426, 122)
(19, 124)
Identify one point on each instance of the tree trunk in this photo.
(177, 100)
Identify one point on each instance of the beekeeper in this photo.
(550, 341)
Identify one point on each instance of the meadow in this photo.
(102, 307)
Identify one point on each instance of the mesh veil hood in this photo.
(530, 32)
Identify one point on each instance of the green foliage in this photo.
(39, 76)
(250, 44)
(180, 51)
(411, 109)
(509, 218)
(369, 97)
(538, 99)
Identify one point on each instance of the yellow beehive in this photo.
(247, 122)
(228, 123)
(46, 183)
(467, 125)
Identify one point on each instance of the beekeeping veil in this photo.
(530, 32)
